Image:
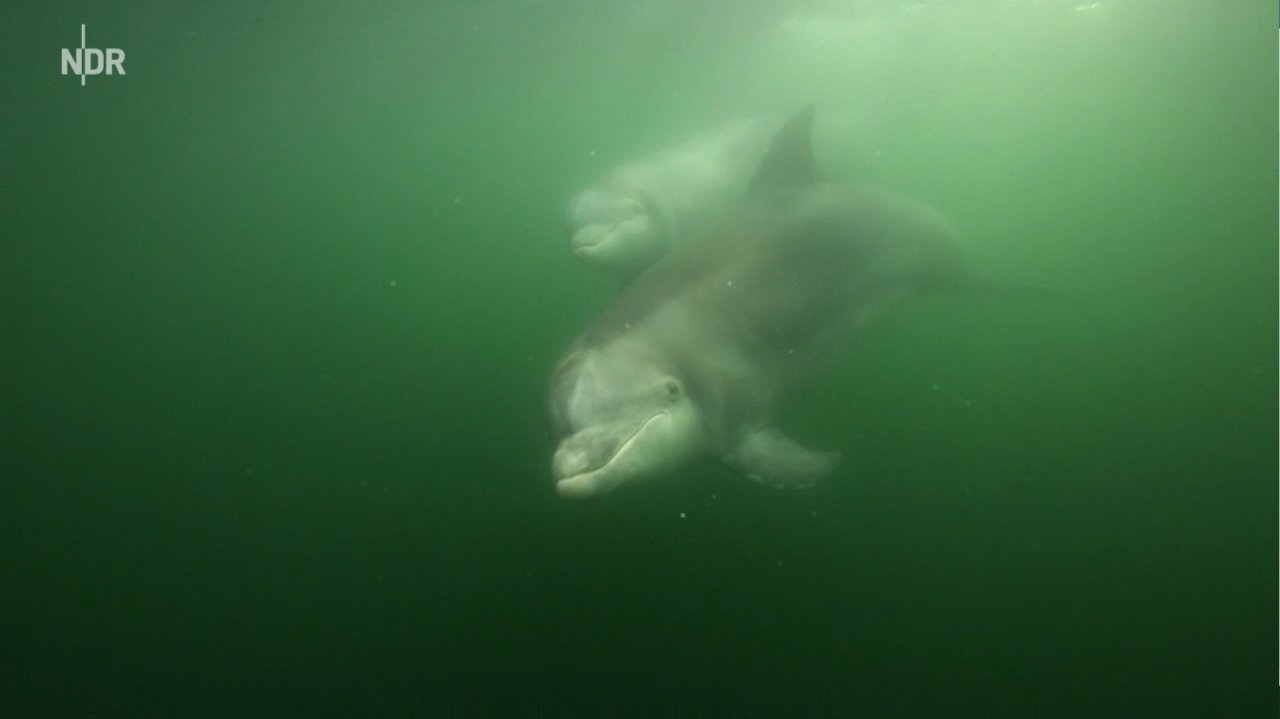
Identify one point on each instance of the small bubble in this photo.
(457, 200)
(592, 153)
(393, 283)
(682, 515)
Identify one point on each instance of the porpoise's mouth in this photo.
(588, 239)
(588, 482)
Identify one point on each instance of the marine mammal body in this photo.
(641, 210)
(698, 355)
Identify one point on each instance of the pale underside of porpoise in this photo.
(640, 211)
(699, 354)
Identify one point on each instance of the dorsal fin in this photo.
(789, 161)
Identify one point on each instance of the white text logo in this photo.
(92, 61)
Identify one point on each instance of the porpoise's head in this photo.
(614, 230)
(618, 416)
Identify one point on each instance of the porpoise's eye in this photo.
(673, 389)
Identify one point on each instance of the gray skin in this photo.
(698, 356)
(640, 211)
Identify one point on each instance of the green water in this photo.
(280, 303)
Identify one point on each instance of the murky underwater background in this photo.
(279, 306)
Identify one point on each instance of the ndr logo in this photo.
(82, 62)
